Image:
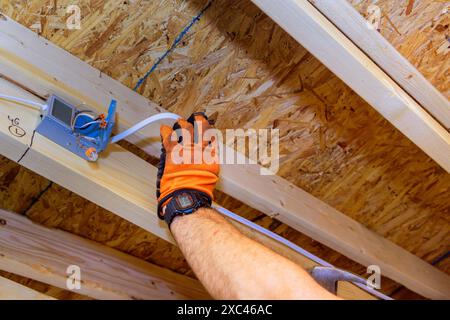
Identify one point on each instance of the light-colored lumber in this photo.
(10, 290)
(374, 45)
(328, 44)
(43, 254)
(124, 184)
(121, 182)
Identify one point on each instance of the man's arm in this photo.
(232, 266)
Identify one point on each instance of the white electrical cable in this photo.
(41, 106)
(144, 123)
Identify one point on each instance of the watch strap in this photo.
(201, 200)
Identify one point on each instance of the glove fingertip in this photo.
(165, 132)
(198, 116)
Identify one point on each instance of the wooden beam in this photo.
(328, 44)
(129, 193)
(10, 290)
(374, 45)
(43, 254)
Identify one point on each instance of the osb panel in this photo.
(19, 187)
(243, 69)
(420, 31)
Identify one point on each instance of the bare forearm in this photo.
(232, 266)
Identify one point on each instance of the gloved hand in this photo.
(180, 143)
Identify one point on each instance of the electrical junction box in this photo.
(82, 132)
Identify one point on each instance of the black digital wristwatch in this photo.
(182, 202)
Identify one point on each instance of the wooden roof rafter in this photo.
(43, 254)
(335, 50)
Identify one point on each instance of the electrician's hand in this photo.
(189, 158)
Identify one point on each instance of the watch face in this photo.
(184, 201)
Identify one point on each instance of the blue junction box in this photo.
(79, 131)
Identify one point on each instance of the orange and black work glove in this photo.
(189, 160)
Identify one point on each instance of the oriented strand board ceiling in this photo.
(246, 72)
